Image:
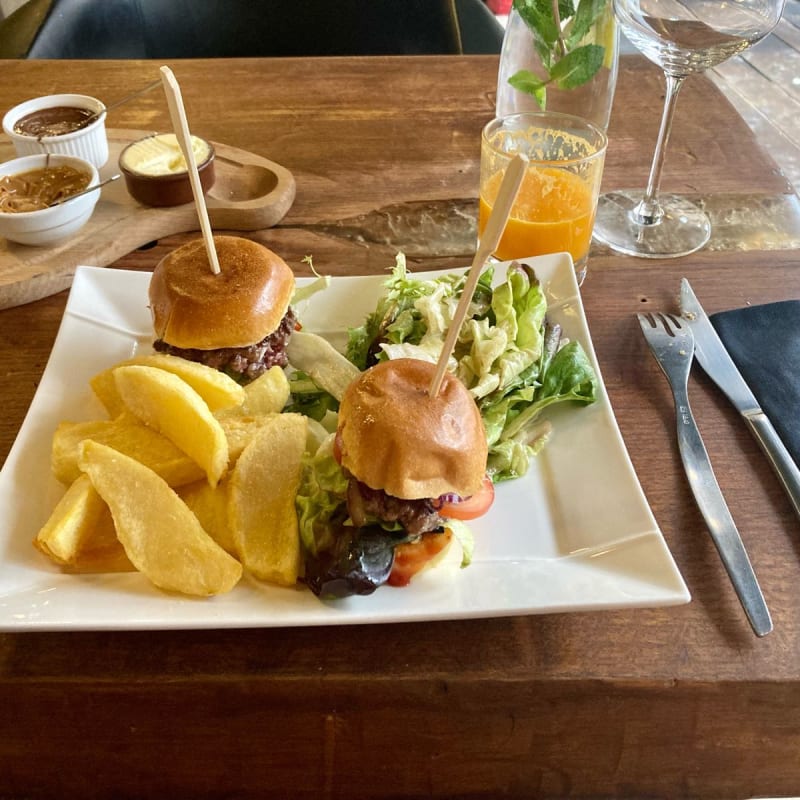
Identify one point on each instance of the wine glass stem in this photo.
(649, 211)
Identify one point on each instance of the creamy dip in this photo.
(161, 155)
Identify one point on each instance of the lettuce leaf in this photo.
(569, 377)
(322, 493)
(463, 535)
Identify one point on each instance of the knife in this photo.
(719, 366)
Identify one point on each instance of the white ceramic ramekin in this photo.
(49, 225)
(89, 143)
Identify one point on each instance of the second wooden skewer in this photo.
(492, 233)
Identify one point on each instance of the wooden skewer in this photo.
(181, 127)
(495, 226)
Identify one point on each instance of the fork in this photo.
(672, 343)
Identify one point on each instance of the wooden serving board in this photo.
(250, 193)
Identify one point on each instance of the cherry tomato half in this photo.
(471, 507)
(411, 557)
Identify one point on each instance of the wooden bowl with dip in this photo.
(68, 124)
(156, 173)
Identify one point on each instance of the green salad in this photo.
(511, 358)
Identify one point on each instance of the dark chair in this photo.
(170, 29)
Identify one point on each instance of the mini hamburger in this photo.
(238, 321)
(412, 463)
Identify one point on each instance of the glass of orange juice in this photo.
(555, 208)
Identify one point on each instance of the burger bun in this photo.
(394, 436)
(192, 307)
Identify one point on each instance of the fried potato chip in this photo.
(165, 402)
(131, 437)
(210, 506)
(263, 485)
(218, 390)
(80, 535)
(161, 536)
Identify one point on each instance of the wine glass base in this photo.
(683, 228)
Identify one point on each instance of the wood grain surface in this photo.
(681, 702)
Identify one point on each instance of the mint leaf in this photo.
(526, 81)
(566, 9)
(588, 12)
(539, 18)
(578, 66)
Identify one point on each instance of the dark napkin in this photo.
(764, 343)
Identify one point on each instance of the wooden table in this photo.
(661, 703)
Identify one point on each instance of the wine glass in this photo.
(684, 37)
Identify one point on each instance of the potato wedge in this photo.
(131, 437)
(218, 390)
(263, 486)
(210, 506)
(267, 394)
(80, 535)
(165, 402)
(103, 552)
(240, 430)
(161, 536)
(75, 515)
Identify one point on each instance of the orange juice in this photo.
(553, 213)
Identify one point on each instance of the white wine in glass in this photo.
(683, 37)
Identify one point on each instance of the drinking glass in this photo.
(555, 207)
(684, 37)
(527, 79)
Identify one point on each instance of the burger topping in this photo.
(454, 507)
(244, 364)
(416, 516)
(359, 561)
(411, 557)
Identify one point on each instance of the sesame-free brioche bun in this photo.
(246, 301)
(394, 436)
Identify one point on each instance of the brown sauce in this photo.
(39, 188)
(54, 121)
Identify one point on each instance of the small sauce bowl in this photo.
(88, 142)
(48, 226)
(156, 173)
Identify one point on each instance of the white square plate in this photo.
(576, 533)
